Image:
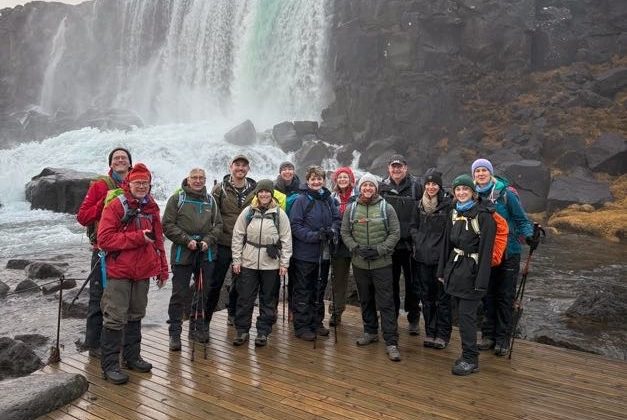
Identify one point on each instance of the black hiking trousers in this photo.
(402, 259)
(223, 265)
(436, 303)
(93, 326)
(310, 283)
(251, 283)
(467, 310)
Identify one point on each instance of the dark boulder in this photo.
(608, 154)
(532, 179)
(452, 164)
(578, 187)
(32, 340)
(56, 286)
(42, 270)
(286, 136)
(312, 153)
(17, 264)
(570, 159)
(611, 82)
(35, 395)
(304, 128)
(17, 359)
(79, 308)
(27, 286)
(600, 303)
(4, 289)
(109, 119)
(59, 190)
(242, 135)
(377, 149)
(334, 128)
(344, 155)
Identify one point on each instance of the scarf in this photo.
(465, 206)
(484, 189)
(429, 204)
(344, 199)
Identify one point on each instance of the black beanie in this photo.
(130, 160)
(433, 175)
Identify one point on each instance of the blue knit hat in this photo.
(479, 163)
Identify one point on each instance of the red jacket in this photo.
(93, 203)
(129, 254)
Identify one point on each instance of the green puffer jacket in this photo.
(231, 203)
(368, 229)
(191, 215)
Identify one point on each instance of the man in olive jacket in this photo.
(370, 230)
(193, 223)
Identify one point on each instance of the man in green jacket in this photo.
(233, 194)
(193, 223)
(370, 230)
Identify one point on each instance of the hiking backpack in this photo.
(92, 229)
(500, 240)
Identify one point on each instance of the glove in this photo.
(532, 242)
(368, 253)
(323, 234)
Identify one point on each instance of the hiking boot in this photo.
(367, 338)
(413, 328)
(95, 352)
(307, 336)
(175, 343)
(428, 341)
(115, 376)
(335, 320)
(439, 343)
(230, 320)
(486, 344)
(393, 353)
(140, 365)
(464, 368)
(261, 340)
(241, 339)
(501, 350)
(323, 331)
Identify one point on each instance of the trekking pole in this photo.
(318, 292)
(83, 286)
(538, 234)
(334, 303)
(201, 287)
(194, 308)
(55, 352)
(284, 292)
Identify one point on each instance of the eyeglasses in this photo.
(197, 178)
(140, 183)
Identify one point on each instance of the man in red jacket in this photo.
(131, 235)
(89, 213)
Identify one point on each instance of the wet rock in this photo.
(4, 289)
(242, 135)
(611, 82)
(570, 159)
(344, 155)
(54, 287)
(32, 340)
(532, 179)
(17, 264)
(27, 286)
(59, 190)
(109, 119)
(608, 154)
(17, 359)
(312, 153)
(377, 149)
(42, 270)
(554, 339)
(600, 303)
(79, 308)
(35, 395)
(578, 187)
(286, 136)
(304, 128)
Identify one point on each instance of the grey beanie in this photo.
(368, 178)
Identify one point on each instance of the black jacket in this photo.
(427, 231)
(463, 276)
(403, 197)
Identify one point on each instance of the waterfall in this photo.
(46, 102)
(191, 60)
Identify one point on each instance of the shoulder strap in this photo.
(182, 197)
(384, 214)
(351, 215)
(109, 181)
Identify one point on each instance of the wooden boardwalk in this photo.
(289, 379)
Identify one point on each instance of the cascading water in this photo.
(191, 68)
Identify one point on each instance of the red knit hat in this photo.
(139, 173)
(348, 171)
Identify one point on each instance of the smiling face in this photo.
(196, 179)
(264, 197)
(343, 181)
(315, 182)
(239, 170)
(463, 193)
(287, 174)
(367, 189)
(482, 176)
(432, 188)
(139, 188)
(397, 172)
(120, 163)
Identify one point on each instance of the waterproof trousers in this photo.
(498, 303)
(340, 269)
(251, 283)
(93, 326)
(467, 310)
(436, 303)
(223, 264)
(310, 282)
(402, 260)
(375, 291)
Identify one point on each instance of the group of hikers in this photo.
(271, 232)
